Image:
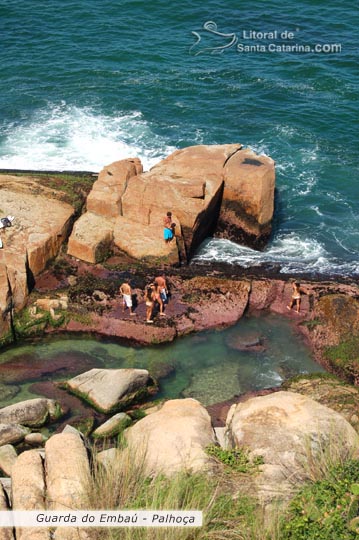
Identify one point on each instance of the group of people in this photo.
(156, 296)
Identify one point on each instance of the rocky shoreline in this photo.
(46, 290)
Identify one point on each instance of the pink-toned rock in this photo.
(145, 243)
(5, 300)
(264, 293)
(216, 302)
(248, 198)
(41, 225)
(91, 237)
(16, 280)
(105, 197)
(188, 183)
(141, 332)
(28, 491)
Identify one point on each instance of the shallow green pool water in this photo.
(209, 366)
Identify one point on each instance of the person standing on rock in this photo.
(150, 302)
(125, 290)
(168, 228)
(296, 297)
(161, 282)
(158, 298)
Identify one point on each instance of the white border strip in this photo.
(101, 518)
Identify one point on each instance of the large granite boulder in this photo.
(6, 533)
(108, 390)
(32, 412)
(105, 196)
(42, 223)
(192, 183)
(189, 183)
(67, 472)
(173, 439)
(91, 238)
(28, 491)
(248, 198)
(109, 458)
(5, 300)
(12, 433)
(329, 391)
(8, 457)
(145, 242)
(291, 432)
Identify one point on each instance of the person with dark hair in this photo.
(158, 298)
(168, 227)
(4, 223)
(126, 292)
(296, 297)
(161, 282)
(150, 302)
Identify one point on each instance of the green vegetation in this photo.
(236, 459)
(320, 375)
(326, 509)
(125, 485)
(26, 324)
(70, 188)
(88, 284)
(313, 323)
(344, 358)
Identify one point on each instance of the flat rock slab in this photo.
(29, 367)
(32, 412)
(111, 389)
(41, 225)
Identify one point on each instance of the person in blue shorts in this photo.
(168, 227)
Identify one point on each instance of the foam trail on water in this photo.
(72, 138)
(292, 253)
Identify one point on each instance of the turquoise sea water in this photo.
(83, 83)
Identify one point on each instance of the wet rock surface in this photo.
(111, 389)
(25, 368)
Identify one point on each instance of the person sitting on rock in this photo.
(169, 226)
(4, 223)
(126, 292)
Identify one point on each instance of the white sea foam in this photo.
(72, 138)
(291, 252)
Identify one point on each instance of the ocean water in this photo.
(84, 83)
